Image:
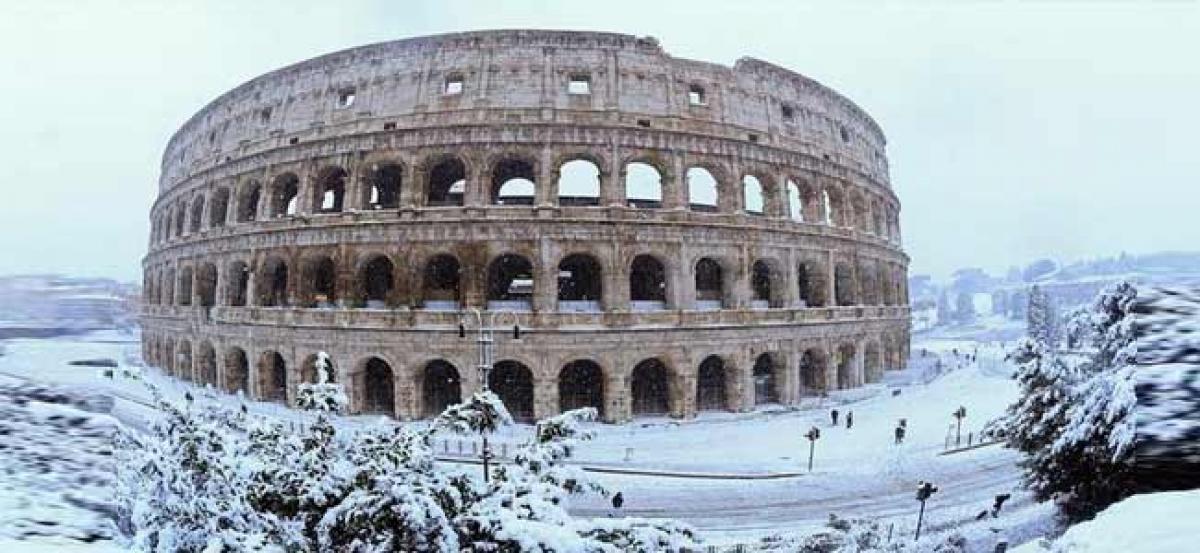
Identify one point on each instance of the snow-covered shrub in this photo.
(209, 478)
(839, 535)
(322, 395)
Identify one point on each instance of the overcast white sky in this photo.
(1016, 129)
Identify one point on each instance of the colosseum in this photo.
(668, 236)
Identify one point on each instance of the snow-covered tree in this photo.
(1074, 415)
(208, 478)
(1041, 318)
(322, 395)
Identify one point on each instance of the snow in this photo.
(1158, 522)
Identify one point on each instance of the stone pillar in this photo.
(674, 185)
(617, 406)
(476, 193)
(616, 289)
(412, 187)
(294, 281)
(831, 280)
(545, 396)
(221, 294)
(612, 182)
(744, 376)
(676, 275)
(739, 281)
(545, 282)
(356, 192)
(686, 392)
(546, 190)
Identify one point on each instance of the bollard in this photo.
(1001, 547)
(628, 454)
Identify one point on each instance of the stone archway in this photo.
(581, 384)
(650, 388)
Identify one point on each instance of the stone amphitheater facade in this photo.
(670, 236)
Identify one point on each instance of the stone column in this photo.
(616, 397)
(612, 182)
(545, 193)
(674, 185)
(686, 392)
(476, 193)
(745, 381)
(545, 281)
(545, 396)
(412, 187)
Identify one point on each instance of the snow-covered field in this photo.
(710, 471)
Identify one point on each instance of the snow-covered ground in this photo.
(858, 471)
(1163, 522)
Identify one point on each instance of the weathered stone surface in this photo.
(369, 140)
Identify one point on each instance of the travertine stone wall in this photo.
(307, 210)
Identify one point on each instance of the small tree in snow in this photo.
(322, 395)
(1041, 318)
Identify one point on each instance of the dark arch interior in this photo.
(331, 190)
(441, 282)
(247, 204)
(513, 382)
(283, 194)
(579, 279)
(237, 370)
(710, 385)
(513, 182)
(274, 375)
(440, 387)
(581, 384)
(710, 283)
(647, 280)
(447, 183)
(510, 279)
(321, 280)
(650, 388)
(765, 390)
(383, 186)
(378, 387)
(377, 281)
(760, 281)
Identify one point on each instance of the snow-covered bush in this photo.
(322, 395)
(209, 478)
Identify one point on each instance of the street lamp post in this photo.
(959, 414)
(924, 491)
(486, 341)
(813, 435)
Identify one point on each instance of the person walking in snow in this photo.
(899, 435)
(849, 419)
(618, 500)
(833, 415)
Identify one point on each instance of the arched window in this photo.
(710, 284)
(811, 281)
(206, 285)
(845, 366)
(702, 190)
(643, 185)
(440, 387)
(765, 390)
(812, 372)
(378, 383)
(513, 183)
(513, 382)
(581, 384)
(440, 283)
(752, 191)
(206, 364)
(180, 220)
(320, 282)
(185, 286)
(510, 283)
(239, 280)
(284, 195)
(237, 371)
(272, 372)
(447, 183)
(274, 284)
(197, 215)
(218, 209)
(650, 388)
(247, 203)
(375, 282)
(795, 202)
(710, 385)
(383, 186)
(843, 285)
(330, 190)
(647, 284)
(580, 283)
(578, 183)
(762, 284)
(308, 370)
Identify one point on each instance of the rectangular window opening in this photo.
(696, 95)
(789, 113)
(389, 126)
(264, 115)
(579, 84)
(643, 123)
(454, 85)
(346, 98)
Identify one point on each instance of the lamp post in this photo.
(486, 341)
(813, 435)
(924, 491)
(959, 414)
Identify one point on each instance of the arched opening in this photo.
(811, 282)
(330, 190)
(308, 370)
(650, 389)
(167, 363)
(702, 190)
(765, 386)
(710, 385)
(320, 282)
(812, 372)
(185, 286)
(580, 283)
(379, 390)
(183, 360)
(845, 366)
(513, 183)
(883, 280)
(578, 183)
(843, 285)
(218, 208)
(206, 364)
(206, 285)
(795, 202)
(168, 291)
(868, 285)
(581, 384)
(383, 186)
(239, 281)
(272, 371)
(237, 371)
(247, 203)
(710, 284)
(180, 216)
(513, 382)
(872, 362)
(510, 283)
(447, 183)
(284, 195)
(762, 286)
(647, 284)
(440, 387)
(752, 191)
(197, 215)
(643, 185)
(375, 279)
(273, 290)
(441, 283)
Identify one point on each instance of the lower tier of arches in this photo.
(624, 374)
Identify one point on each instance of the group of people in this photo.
(901, 428)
